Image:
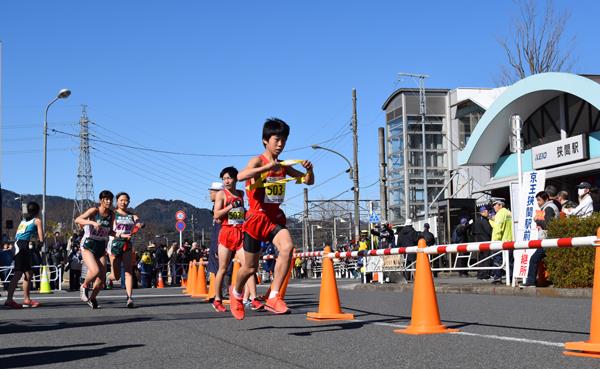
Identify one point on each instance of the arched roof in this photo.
(490, 137)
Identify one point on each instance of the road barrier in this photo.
(425, 317)
(54, 275)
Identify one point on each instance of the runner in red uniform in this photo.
(229, 210)
(265, 221)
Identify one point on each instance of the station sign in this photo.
(561, 152)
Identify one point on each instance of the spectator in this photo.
(407, 236)
(74, 268)
(175, 269)
(36, 264)
(481, 231)
(552, 191)
(161, 259)
(461, 235)
(586, 204)
(550, 211)
(385, 234)
(195, 252)
(501, 231)
(565, 203)
(146, 267)
(430, 241)
(6, 260)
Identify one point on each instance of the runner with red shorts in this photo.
(229, 210)
(265, 185)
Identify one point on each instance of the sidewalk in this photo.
(453, 284)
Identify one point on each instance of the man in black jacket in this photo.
(385, 234)
(407, 236)
(481, 230)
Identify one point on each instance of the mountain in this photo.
(157, 214)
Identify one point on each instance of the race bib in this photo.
(22, 227)
(235, 216)
(274, 192)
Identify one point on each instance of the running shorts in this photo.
(119, 247)
(23, 258)
(260, 226)
(97, 247)
(231, 237)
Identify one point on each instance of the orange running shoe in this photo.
(218, 306)
(277, 305)
(236, 305)
(257, 305)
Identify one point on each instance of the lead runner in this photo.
(265, 186)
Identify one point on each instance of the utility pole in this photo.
(193, 229)
(423, 112)
(305, 222)
(382, 174)
(84, 194)
(355, 168)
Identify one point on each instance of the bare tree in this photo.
(535, 44)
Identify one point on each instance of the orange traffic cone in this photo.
(192, 273)
(375, 277)
(591, 347)
(286, 281)
(211, 287)
(329, 299)
(200, 290)
(159, 280)
(184, 281)
(425, 313)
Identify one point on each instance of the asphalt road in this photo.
(169, 330)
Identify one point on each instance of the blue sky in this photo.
(200, 77)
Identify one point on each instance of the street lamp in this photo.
(312, 237)
(342, 220)
(355, 187)
(23, 205)
(62, 94)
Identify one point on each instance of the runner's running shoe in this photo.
(257, 305)
(218, 306)
(13, 304)
(83, 294)
(236, 305)
(93, 303)
(31, 304)
(130, 304)
(277, 305)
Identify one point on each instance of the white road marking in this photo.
(490, 336)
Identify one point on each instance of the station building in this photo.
(468, 133)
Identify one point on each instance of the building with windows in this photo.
(451, 117)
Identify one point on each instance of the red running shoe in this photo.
(257, 305)
(31, 303)
(218, 306)
(13, 304)
(236, 305)
(277, 305)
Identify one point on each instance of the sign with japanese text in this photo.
(526, 230)
(560, 152)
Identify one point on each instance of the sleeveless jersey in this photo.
(26, 229)
(235, 216)
(102, 233)
(123, 223)
(267, 199)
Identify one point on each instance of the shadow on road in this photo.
(20, 350)
(58, 356)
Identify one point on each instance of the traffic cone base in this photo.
(436, 329)
(583, 348)
(319, 317)
(329, 298)
(425, 317)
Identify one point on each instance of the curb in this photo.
(486, 290)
